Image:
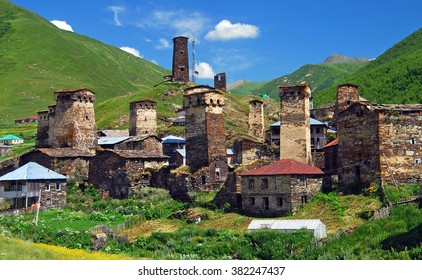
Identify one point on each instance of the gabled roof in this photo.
(312, 121)
(32, 171)
(111, 140)
(171, 139)
(332, 143)
(284, 167)
(10, 137)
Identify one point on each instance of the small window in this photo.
(264, 184)
(279, 201)
(47, 187)
(304, 199)
(252, 200)
(217, 173)
(278, 183)
(303, 182)
(48, 201)
(251, 184)
(412, 141)
(53, 186)
(266, 202)
(418, 161)
(58, 187)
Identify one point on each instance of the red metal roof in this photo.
(284, 167)
(332, 143)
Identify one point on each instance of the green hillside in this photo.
(394, 77)
(318, 76)
(37, 58)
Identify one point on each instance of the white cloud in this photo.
(163, 44)
(62, 25)
(182, 22)
(117, 10)
(225, 30)
(133, 51)
(204, 70)
(154, 61)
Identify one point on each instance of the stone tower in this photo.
(205, 132)
(74, 122)
(220, 82)
(143, 118)
(295, 134)
(256, 119)
(180, 60)
(347, 94)
(42, 130)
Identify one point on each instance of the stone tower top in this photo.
(202, 96)
(81, 94)
(302, 89)
(220, 82)
(143, 118)
(180, 69)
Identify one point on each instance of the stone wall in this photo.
(53, 196)
(42, 130)
(347, 94)
(152, 144)
(400, 140)
(295, 123)
(358, 149)
(277, 195)
(143, 118)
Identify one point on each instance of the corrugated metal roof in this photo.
(312, 121)
(182, 152)
(332, 143)
(230, 152)
(10, 137)
(111, 140)
(32, 171)
(171, 139)
(284, 167)
(285, 224)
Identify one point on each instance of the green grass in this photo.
(32, 68)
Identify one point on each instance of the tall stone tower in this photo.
(42, 130)
(256, 119)
(295, 134)
(347, 94)
(74, 121)
(220, 82)
(205, 132)
(143, 118)
(180, 60)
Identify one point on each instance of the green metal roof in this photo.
(10, 137)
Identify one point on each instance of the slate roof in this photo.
(32, 171)
(284, 167)
(114, 132)
(66, 152)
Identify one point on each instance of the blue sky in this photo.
(247, 39)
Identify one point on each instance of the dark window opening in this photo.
(304, 199)
(266, 202)
(412, 141)
(252, 199)
(264, 184)
(251, 184)
(203, 179)
(279, 201)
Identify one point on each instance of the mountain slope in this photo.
(37, 58)
(394, 77)
(318, 76)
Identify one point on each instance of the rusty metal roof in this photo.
(332, 143)
(284, 167)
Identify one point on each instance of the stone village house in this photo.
(24, 186)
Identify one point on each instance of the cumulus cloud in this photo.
(225, 30)
(62, 25)
(133, 51)
(182, 22)
(117, 10)
(204, 70)
(163, 44)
